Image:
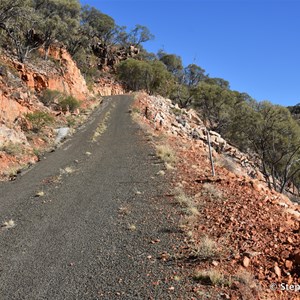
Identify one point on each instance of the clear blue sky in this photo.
(254, 44)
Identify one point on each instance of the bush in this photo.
(69, 103)
(39, 119)
(166, 153)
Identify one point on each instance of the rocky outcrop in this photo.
(61, 74)
(10, 136)
(107, 87)
(70, 79)
(109, 56)
(11, 109)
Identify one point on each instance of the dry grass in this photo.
(9, 224)
(188, 222)
(101, 127)
(186, 202)
(207, 249)
(245, 278)
(229, 164)
(166, 153)
(161, 173)
(67, 170)
(192, 211)
(248, 287)
(182, 199)
(131, 227)
(13, 149)
(40, 194)
(212, 191)
(212, 277)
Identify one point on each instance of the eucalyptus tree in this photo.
(18, 22)
(61, 20)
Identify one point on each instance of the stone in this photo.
(297, 257)
(246, 262)
(288, 264)
(277, 271)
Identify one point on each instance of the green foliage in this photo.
(193, 75)
(97, 24)
(136, 74)
(275, 136)
(222, 83)
(61, 20)
(39, 119)
(215, 103)
(173, 62)
(20, 39)
(162, 81)
(138, 35)
(66, 102)
(69, 103)
(150, 76)
(71, 121)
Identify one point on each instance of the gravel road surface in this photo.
(100, 222)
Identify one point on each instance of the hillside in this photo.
(240, 236)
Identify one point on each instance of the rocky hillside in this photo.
(39, 98)
(240, 236)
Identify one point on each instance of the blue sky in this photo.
(255, 45)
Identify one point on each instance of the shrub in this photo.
(165, 153)
(208, 249)
(69, 103)
(12, 148)
(39, 119)
(183, 200)
(213, 277)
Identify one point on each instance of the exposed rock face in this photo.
(10, 109)
(107, 87)
(110, 56)
(64, 76)
(11, 136)
(70, 80)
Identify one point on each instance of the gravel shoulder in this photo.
(100, 224)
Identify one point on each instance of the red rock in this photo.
(277, 271)
(297, 257)
(246, 262)
(288, 264)
(285, 254)
(290, 280)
